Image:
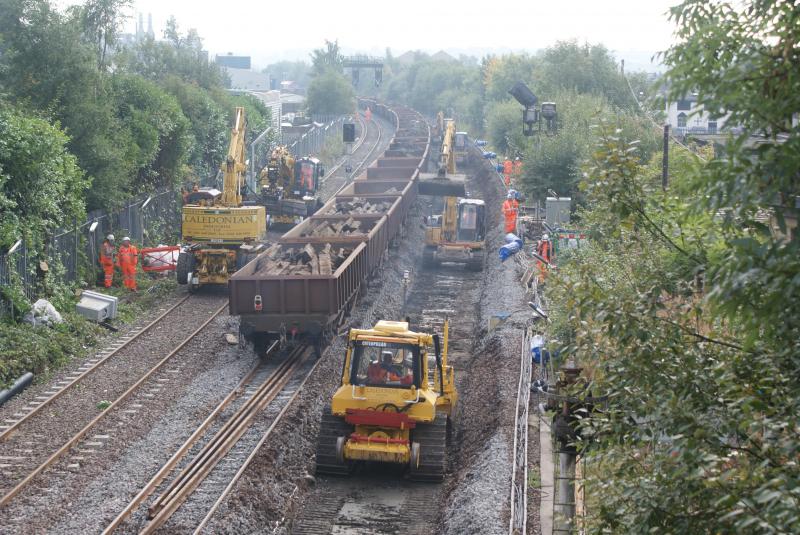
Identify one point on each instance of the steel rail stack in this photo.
(312, 305)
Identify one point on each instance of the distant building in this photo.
(233, 62)
(443, 56)
(687, 116)
(247, 80)
(272, 100)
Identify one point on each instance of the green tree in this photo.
(330, 93)
(159, 139)
(328, 58)
(687, 305)
(101, 20)
(41, 185)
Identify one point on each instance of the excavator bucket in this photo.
(442, 187)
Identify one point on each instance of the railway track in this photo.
(377, 499)
(372, 134)
(19, 420)
(63, 421)
(185, 492)
(363, 129)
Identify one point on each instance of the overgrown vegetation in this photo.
(140, 117)
(583, 80)
(686, 305)
(38, 349)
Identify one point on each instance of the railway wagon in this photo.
(274, 301)
(372, 230)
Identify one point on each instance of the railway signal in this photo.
(545, 115)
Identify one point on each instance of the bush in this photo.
(25, 348)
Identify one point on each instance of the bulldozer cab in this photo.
(393, 405)
(385, 364)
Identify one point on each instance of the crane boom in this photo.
(235, 164)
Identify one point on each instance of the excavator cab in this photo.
(307, 174)
(461, 230)
(289, 187)
(393, 405)
(471, 220)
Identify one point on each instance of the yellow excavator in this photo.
(458, 234)
(289, 187)
(394, 404)
(220, 235)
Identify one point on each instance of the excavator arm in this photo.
(448, 154)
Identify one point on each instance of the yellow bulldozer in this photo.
(458, 234)
(394, 404)
(220, 235)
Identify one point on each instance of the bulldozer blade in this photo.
(441, 187)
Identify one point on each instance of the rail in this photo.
(184, 449)
(82, 433)
(201, 465)
(519, 471)
(7, 432)
(255, 451)
(357, 146)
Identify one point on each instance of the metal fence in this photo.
(314, 139)
(70, 255)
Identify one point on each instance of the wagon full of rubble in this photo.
(304, 285)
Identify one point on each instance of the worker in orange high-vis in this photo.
(517, 168)
(107, 253)
(508, 169)
(368, 114)
(127, 258)
(544, 249)
(510, 208)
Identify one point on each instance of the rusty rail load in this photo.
(306, 283)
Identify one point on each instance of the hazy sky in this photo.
(268, 30)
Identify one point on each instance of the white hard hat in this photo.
(110, 237)
(545, 236)
(510, 195)
(126, 239)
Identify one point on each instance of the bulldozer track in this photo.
(46, 436)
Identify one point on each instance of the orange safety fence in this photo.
(160, 258)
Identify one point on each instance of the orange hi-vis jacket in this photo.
(510, 207)
(107, 261)
(127, 258)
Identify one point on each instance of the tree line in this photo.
(87, 121)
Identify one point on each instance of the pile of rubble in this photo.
(361, 206)
(307, 260)
(333, 228)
